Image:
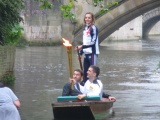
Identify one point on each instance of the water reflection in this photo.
(130, 45)
(129, 71)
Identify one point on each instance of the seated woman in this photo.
(8, 104)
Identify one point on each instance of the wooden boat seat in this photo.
(74, 98)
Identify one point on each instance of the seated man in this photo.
(93, 86)
(78, 89)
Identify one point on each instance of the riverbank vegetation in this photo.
(8, 79)
(67, 9)
(9, 20)
(10, 32)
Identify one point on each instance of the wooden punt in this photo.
(87, 109)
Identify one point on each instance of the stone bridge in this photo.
(149, 20)
(120, 15)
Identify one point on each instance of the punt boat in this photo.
(90, 108)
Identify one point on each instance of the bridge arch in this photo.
(149, 20)
(113, 20)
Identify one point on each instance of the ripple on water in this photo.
(153, 86)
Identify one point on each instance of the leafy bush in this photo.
(9, 16)
(8, 79)
(14, 35)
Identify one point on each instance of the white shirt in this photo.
(93, 88)
(89, 39)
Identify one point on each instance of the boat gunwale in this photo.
(80, 103)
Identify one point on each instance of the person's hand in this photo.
(111, 98)
(78, 47)
(71, 80)
(81, 96)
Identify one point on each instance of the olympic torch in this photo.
(68, 45)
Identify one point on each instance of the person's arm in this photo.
(66, 89)
(14, 98)
(17, 103)
(104, 95)
(94, 35)
(81, 96)
(101, 90)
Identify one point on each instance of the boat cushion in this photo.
(72, 98)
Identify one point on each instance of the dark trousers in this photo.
(89, 59)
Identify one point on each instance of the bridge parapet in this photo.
(153, 13)
(149, 20)
(113, 20)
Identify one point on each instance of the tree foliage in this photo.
(67, 8)
(9, 17)
(106, 8)
(45, 4)
(14, 34)
(67, 11)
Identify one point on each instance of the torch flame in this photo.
(66, 43)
